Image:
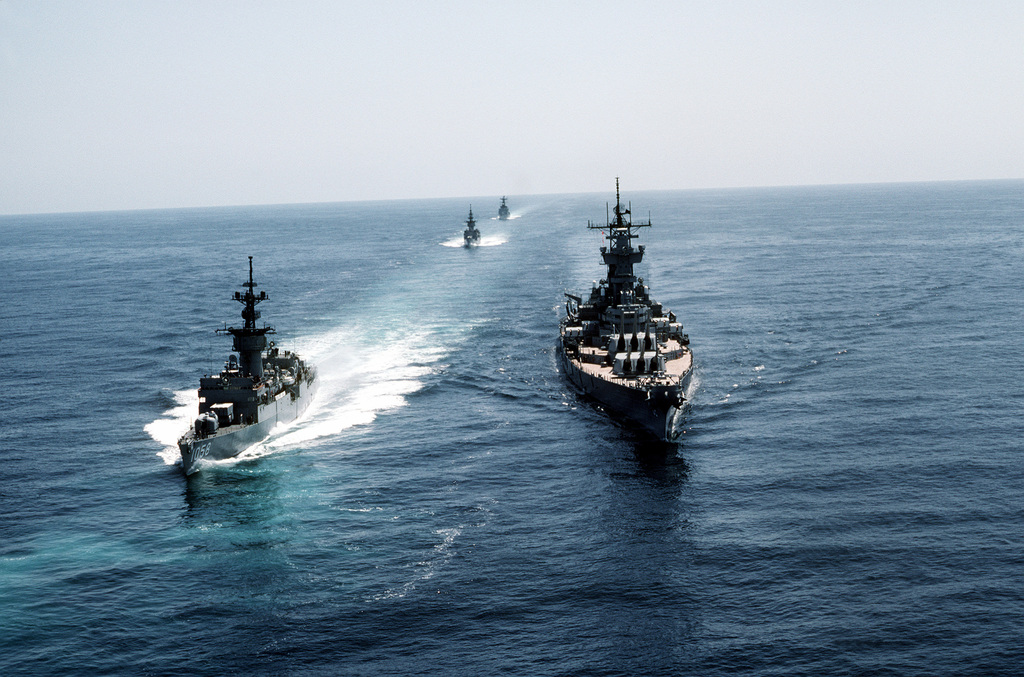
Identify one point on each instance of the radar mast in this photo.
(620, 256)
(250, 341)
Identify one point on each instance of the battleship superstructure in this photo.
(257, 389)
(619, 346)
(503, 210)
(471, 235)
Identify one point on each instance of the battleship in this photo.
(471, 235)
(503, 210)
(619, 346)
(258, 388)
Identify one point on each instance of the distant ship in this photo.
(471, 235)
(619, 346)
(255, 391)
(503, 210)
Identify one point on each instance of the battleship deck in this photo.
(674, 368)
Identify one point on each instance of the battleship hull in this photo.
(232, 440)
(653, 410)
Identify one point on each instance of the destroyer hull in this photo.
(231, 441)
(653, 411)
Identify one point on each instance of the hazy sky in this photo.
(124, 105)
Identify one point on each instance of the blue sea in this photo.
(847, 497)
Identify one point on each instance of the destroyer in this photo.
(619, 346)
(471, 235)
(257, 389)
(503, 210)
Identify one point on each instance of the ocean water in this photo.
(847, 497)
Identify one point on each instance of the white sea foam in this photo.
(360, 375)
(692, 387)
(173, 423)
(361, 378)
(485, 241)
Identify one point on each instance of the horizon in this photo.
(523, 195)
(126, 106)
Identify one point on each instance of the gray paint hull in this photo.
(233, 440)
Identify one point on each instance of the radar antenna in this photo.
(250, 340)
(620, 256)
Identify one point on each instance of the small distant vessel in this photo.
(619, 346)
(254, 392)
(503, 210)
(471, 235)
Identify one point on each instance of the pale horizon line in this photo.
(517, 195)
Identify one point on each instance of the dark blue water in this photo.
(848, 498)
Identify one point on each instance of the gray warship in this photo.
(257, 389)
(503, 210)
(471, 235)
(620, 347)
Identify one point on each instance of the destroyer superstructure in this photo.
(621, 347)
(471, 235)
(258, 388)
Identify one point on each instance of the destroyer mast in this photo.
(250, 341)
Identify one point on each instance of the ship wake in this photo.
(361, 379)
(358, 379)
(485, 241)
(173, 423)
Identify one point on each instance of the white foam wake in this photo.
(691, 389)
(174, 423)
(485, 241)
(360, 375)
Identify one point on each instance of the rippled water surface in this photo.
(846, 500)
